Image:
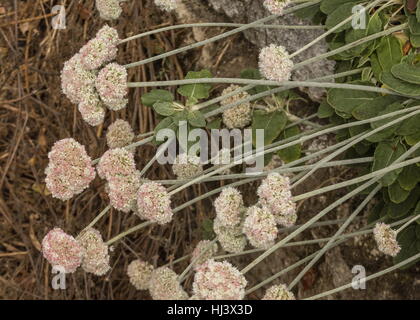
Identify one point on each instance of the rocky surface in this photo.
(245, 11)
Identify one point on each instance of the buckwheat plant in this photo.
(371, 106)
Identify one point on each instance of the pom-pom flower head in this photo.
(228, 207)
(232, 243)
(275, 64)
(62, 250)
(230, 237)
(276, 6)
(116, 162)
(278, 292)
(112, 85)
(274, 193)
(69, 170)
(164, 285)
(139, 272)
(96, 258)
(219, 281)
(119, 134)
(77, 82)
(109, 9)
(99, 50)
(123, 191)
(167, 5)
(202, 252)
(154, 203)
(91, 108)
(386, 238)
(239, 116)
(187, 166)
(260, 227)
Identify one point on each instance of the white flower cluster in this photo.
(187, 166)
(239, 116)
(140, 272)
(229, 208)
(274, 193)
(93, 89)
(275, 64)
(386, 238)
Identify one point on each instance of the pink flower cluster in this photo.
(118, 167)
(76, 80)
(276, 6)
(101, 49)
(62, 250)
(111, 84)
(96, 258)
(139, 272)
(218, 281)
(230, 238)
(260, 227)
(229, 205)
(274, 193)
(109, 9)
(203, 251)
(278, 292)
(386, 238)
(69, 170)
(154, 203)
(91, 108)
(275, 64)
(79, 76)
(164, 285)
(119, 134)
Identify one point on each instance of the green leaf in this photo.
(412, 139)
(341, 12)
(396, 193)
(198, 90)
(399, 86)
(414, 25)
(387, 132)
(389, 52)
(164, 108)
(371, 108)
(376, 66)
(407, 240)
(385, 154)
(291, 153)
(375, 214)
(400, 210)
(409, 177)
(255, 75)
(325, 110)
(415, 40)
(409, 126)
(406, 72)
(166, 123)
(272, 123)
(346, 101)
(150, 98)
(418, 12)
(196, 119)
(214, 124)
(328, 6)
(180, 116)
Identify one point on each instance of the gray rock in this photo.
(245, 11)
